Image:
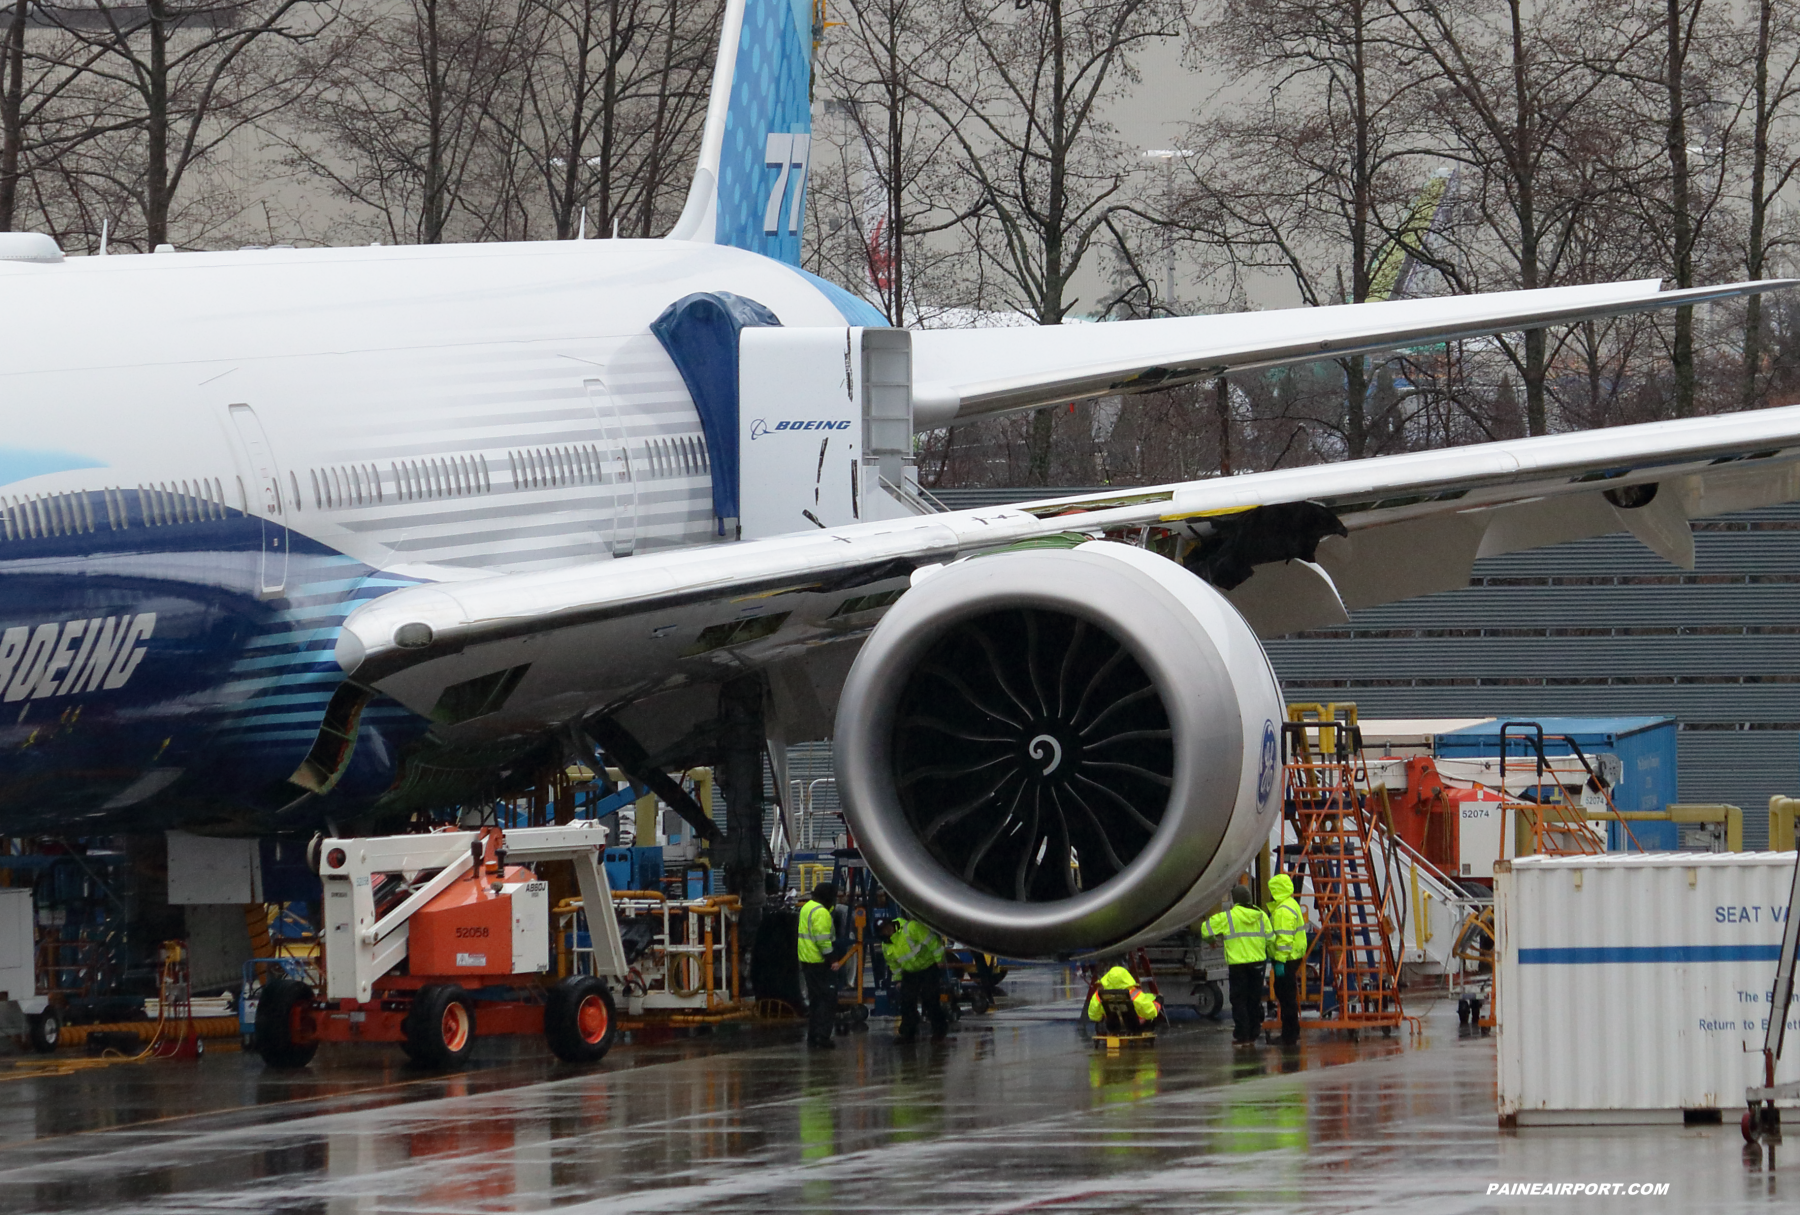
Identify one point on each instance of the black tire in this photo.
(46, 1031)
(440, 1027)
(1209, 1001)
(580, 1020)
(979, 1002)
(276, 1012)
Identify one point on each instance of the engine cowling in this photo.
(1053, 752)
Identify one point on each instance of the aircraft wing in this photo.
(1309, 543)
(963, 373)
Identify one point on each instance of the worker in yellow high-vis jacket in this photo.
(915, 954)
(817, 942)
(1144, 1004)
(1287, 950)
(1245, 930)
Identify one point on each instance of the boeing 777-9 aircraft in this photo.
(290, 534)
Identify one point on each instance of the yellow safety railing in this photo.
(1782, 812)
(1676, 812)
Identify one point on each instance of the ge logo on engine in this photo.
(1265, 775)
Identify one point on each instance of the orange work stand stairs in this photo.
(1342, 859)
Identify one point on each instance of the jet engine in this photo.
(1059, 751)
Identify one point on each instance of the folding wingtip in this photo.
(1731, 290)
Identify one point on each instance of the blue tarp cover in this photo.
(700, 332)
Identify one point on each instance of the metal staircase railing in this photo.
(1343, 857)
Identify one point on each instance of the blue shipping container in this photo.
(1644, 747)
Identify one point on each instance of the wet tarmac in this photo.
(1017, 1112)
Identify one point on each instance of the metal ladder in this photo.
(1344, 858)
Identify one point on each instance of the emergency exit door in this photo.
(262, 497)
(621, 532)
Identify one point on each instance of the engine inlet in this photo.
(1042, 752)
(1032, 754)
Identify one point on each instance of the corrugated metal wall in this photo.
(1595, 627)
(1601, 627)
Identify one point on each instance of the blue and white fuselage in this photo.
(211, 459)
(291, 534)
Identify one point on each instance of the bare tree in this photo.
(614, 94)
(1676, 108)
(1774, 64)
(163, 86)
(1519, 102)
(887, 166)
(1023, 88)
(1322, 176)
(13, 117)
(409, 117)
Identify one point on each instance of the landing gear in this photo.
(580, 1021)
(440, 1029)
(279, 1013)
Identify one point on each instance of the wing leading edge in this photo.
(962, 373)
(1369, 531)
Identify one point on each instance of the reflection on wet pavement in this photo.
(1016, 1112)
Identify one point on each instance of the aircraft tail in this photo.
(749, 189)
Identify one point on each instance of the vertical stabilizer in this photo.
(750, 186)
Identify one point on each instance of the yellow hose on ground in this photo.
(205, 1027)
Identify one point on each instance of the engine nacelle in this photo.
(1049, 752)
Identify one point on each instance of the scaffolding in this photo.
(1351, 975)
(683, 956)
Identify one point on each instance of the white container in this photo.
(1634, 987)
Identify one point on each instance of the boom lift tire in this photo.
(46, 1030)
(275, 1010)
(440, 1028)
(580, 1020)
